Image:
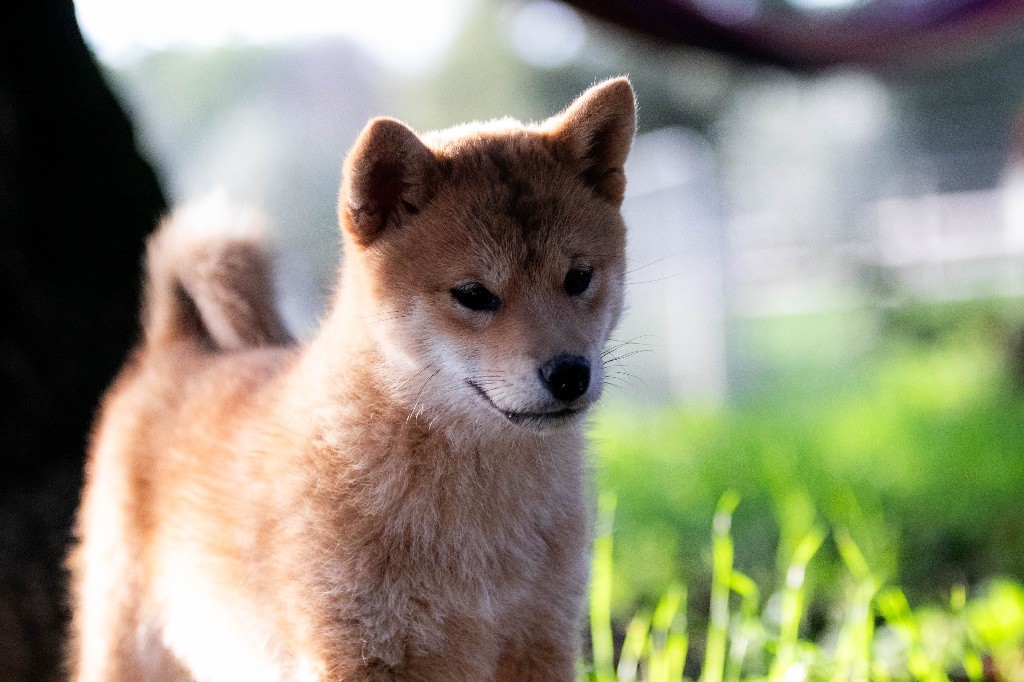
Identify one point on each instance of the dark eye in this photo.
(577, 280)
(475, 296)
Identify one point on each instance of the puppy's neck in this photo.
(350, 408)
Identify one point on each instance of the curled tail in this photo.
(208, 278)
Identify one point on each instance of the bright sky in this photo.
(407, 35)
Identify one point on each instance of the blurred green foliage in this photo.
(916, 448)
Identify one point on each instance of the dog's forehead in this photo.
(513, 192)
(506, 207)
(517, 160)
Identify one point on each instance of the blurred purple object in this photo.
(812, 33)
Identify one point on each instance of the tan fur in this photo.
(351, 508)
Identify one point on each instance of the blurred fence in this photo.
(695, 268)
(676, 286)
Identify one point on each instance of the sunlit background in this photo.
(824, 304)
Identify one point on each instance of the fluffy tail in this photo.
(208, 278)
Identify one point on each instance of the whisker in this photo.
(617, 387)
(387, 319)
(630, 354)
(419, 395)
(652, 281)
(406, 382)
(628, 383)
(618, 344)
(636, 340)
(381, 313)
(653, 262)
(620, 374)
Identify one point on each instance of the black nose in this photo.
(566, 376)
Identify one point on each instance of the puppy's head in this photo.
(492, 257)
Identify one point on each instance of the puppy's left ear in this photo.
(594, 136)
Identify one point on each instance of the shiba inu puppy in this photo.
(404, 496)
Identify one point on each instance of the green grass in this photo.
(870, 633)
(921, 460)
(881, 467)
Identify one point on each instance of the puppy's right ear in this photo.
(386, 179)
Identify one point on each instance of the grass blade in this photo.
(721, 578)
(633, 647)
(665, 635)
(747, 628)
(675, 653)
(793, 606)
(852, 659)
(601, 641)
(893, 605)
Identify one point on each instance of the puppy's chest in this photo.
(444, 549)
(427, 592)
(462, 534)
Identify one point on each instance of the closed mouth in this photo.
(526, 417)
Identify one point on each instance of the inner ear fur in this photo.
(594, 135)
(386, 179)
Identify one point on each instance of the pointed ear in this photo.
(386, 179)
(595, 133)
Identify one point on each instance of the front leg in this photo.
(550, 659)
(468, 653)
(455, 650)
(544, 630)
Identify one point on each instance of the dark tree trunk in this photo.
(76, 201)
